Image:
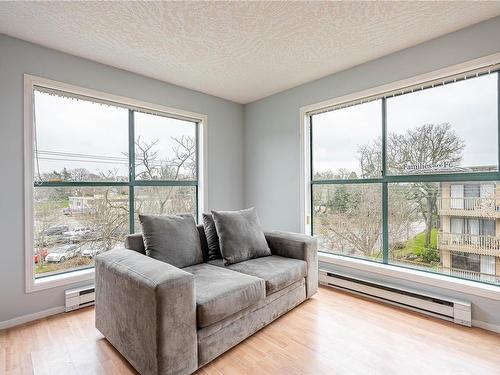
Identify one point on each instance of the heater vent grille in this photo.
(438, 306)
(79, 297)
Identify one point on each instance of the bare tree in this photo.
(435, 146)
(181, 166)
(423, 149)
(46, 215)
(370, 159)
(339, 174)
(429, 146)
(349, 217)
(107, 216)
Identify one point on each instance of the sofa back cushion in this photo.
(203, 239)
(173, 239)
(136, 242)
(240, 235)
(212, 237)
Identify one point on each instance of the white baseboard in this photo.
(487, 326)
(30, 317)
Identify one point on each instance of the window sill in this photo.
(427, 278)
(60, 280)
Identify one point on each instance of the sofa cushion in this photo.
(212, 237)
(203, 240)
(221, 292)
(135, 242)
(240, 235)
(172, 239)
(278, 272)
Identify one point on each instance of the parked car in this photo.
(56, 230)
(77, 234)
(40, 255)
(67, 211)
(61, 253)
(92, 250)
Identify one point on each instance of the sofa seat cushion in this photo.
(278, 272)
(221, 292)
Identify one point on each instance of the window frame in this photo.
(33, 284)
(306, 172)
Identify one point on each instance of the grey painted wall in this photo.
(272, 126)
(225, 144)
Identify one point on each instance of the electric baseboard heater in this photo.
(79, 297)
(438, 306)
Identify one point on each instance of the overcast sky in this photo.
(470, 107)
(95, 136)
(85, 130)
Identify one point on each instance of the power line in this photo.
(104, 159)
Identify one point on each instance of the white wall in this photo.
(225, 144)
(272, 128)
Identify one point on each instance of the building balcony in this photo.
(471, 275)
(469, 243)
(488, 208)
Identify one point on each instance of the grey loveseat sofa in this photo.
(166, 320)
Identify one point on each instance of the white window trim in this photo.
(471, 287)
(30, 81)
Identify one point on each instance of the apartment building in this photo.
(469, 239)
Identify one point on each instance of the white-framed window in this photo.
(375, 190)
(93, 163)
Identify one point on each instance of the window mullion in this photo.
(498, 118)
(311, 176)
(197, 198)
(164, 183)
(384, 137)
(385, 223)
(131, 161)
(78, 183)
(385, 194)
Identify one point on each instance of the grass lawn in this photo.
(415, 248)
(417, 243)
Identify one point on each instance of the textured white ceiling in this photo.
(240, 51)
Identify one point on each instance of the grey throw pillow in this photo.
(172, 239)
(212, 237)
(240, 235)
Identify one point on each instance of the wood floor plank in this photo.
(333, 333)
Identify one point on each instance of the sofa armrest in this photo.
(298, 246)
(147, 310)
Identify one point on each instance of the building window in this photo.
(411, 178)
(466, 262)
(97, 165)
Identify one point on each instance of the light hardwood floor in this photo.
(333, 333)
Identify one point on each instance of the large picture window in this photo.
(97, 165)
(411, 178)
